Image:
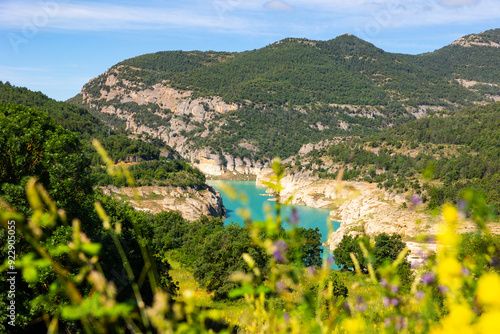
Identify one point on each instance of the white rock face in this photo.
(182, 109)
(364, 208)
(473, 39)
(211, 164)
(190, 202)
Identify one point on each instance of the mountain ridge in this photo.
(343, 86)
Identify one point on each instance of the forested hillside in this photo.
(118, 145)
(80, 121)
(244, 104)
(296, 72)
(456, 152)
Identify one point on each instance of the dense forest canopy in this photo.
(344, 70)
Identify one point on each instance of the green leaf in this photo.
(72, 312)
(59, 250)
(29, 274)
(241, 291)
(263, 289)
(91, 248)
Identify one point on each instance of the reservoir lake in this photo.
(257, 201)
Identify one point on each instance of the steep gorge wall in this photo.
(179, 109)
(212, 164)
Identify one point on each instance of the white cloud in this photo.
(94, 16)
(240, 16)
(454, 3)
(369, 17)
(278, 6)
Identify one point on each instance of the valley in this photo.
(229, 114)
(126, 199)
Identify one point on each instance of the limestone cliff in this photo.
(191, 202)
(171, 112)
(212, 164)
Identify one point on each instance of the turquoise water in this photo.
(257, 201)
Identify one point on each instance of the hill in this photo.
(237, 109)
(153, 163)
(455, 152)
(85, 125)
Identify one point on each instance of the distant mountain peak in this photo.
(489, 38)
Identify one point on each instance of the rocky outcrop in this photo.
(477, 40)
(191, 202)
(359, 206)
(166, 98)
(215, 165)
(305, 149)
(180, 110)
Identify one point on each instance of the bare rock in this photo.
(190, 202)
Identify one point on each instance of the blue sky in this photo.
(56, 46)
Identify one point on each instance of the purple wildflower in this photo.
(280, 286)
(384, 283)
(428, 278)
(360, 304)
(416, 200)
(398, 326)
(286, 316)
(415, 264)
(280, 250)
(495, 261)
(387, 322)
(294, 219)
(279, 256)
(390, 301)
(394, 289)
(462, 205)
(400, 323)
(443, 289)
(420, 294)
(430, 239)
(347, 306)
(465, 271)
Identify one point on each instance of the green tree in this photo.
(348, 245)
(32, 144)
(306, 249)
(387, 248)
(220, 255)
(169, 231)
